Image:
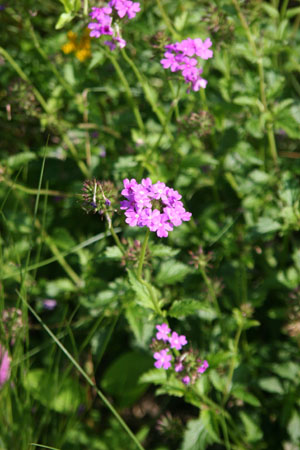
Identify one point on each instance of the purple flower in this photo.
(4, 365)
(203, 367)
(49, 304)
(103, 21)
(186, 379)
(163, 359)
(163, 331)
(179, 57)
(155, 206)
(177, 341)
(179, 367)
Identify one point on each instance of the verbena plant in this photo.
(168, 318)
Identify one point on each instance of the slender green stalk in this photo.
(142, 255)
(85, 376)
(147, 91)
(232, 364)
(31, 191)
(86, 7)
(259, 61)
(130, 97)
(283, 9)
(225, 431)
(52, 66)
(210, 288)
(167, 20)
(44, 105)
(24, 77)
(114, 234)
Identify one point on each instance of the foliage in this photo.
(81, 375)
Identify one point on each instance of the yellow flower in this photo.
(82, 48)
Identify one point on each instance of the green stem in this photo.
(269, 126)
(210, 288)
(44, 105)
(86, 7)
(147, 91)
(225, 431)
(283, 9)
(130, 97)
(232, 364)
(24, 77)
(167, 20)
(114, 234)
(87, 378)
(142, 255)
(41, 51)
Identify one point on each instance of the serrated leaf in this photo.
(63, 19)
(242, 394)
(172, 272)
(121, 379)
(63, 396)
(187, 307)
(270, 10)
(20, 159)
(196, 436)
(208, 418)
(163, 251)
(155, 376)
(143, 296)
(288, 370)
(267, 225)
(294, 427)
(271, 384)
(113, 252)
(253, 431)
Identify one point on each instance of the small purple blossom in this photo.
(163, 359)
(163, 332)
(179, 367)
(186, 379)
(103, 24)
(177, 341)
(180, 57)
(4, 365)
(155, 206)
(203, 367)
(49, 304)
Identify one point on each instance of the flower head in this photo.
(103, 21)
(162, 359)
(180, 57)
(202, 368)
(163, 332)
(177, 341)
(4, 365)
(155, 206)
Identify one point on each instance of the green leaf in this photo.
(143, 296)
(113, 252)
(271, 384)
(19, 159)
(242, 394)
(62, 394)
(196, 436)
(187, 307)
(209, 419)
(172, 272)
(267, 225)
(294, 427)
(291, 12)
(163, 251)
(140, 324)
(155, 376)
(270, 10)
(121, 379)
(253, 432)
(63, 19)
(288, 370)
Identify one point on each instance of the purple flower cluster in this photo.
(187, 363)
(103, 21)
(155, 206)
(181, 57)
(4, 365)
